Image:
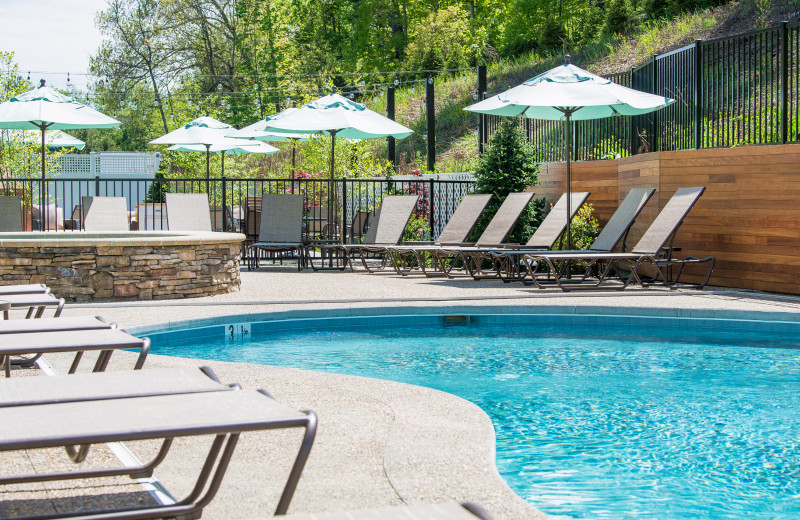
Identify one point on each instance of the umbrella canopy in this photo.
(231, 146)
(568, 93)
(234, 147)
(45, 109)
(204, 131)
(54, 139)
(258, 130)
(336, 116)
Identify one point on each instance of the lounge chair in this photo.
(105, 214)
(104, 340)
(188, 212)
(36, 303)
(496, 231)
(124, 414)
(386, 229)
(54, 324)
(446, 511)
(655, 248)
(10, 213)
(456, 230)
(281, 228)
(24, 288)
(470, 257)
(543, 239)
(507, 263)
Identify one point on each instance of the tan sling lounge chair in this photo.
(10, 214)
(654, 248)
(149, 405)
(105, 214)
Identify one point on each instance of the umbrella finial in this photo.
(41, 83)
(567, 59)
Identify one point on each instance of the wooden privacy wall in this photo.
(748, 217)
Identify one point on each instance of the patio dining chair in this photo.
(281, 228)
(10, 213)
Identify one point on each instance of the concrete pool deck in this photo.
(379, 443)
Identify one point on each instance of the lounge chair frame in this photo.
(222, 418)
(105, 340)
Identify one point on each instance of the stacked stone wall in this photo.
(140, 272)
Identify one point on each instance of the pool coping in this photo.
(130, 239)
(777, 320)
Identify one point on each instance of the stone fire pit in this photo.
(147, 265)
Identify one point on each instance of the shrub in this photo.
(508, 166)
(444, 41)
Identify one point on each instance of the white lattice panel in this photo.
(109, 165)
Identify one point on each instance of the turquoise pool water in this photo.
(685, 421)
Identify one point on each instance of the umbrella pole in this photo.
(331, 195)
(567, 139)
(294, 141)
(43, 224)
(208, 167)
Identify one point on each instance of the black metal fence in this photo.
(235, 204)
(730, 91)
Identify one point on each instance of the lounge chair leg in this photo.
(299, 463)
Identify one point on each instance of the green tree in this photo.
(508, 166)
(619, 17)
(444, 41)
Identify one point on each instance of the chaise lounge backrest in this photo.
(621, 221)
(391, 219)
(555, 223)
(188, 212)
(505, 219)
(464, 218)
(668, 221)
(105, 214)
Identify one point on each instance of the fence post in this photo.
(633, 119)
(97, 185)
(344, 210)
(698, 94)
(656, 130)
(390, 144)
(784, 81)
(430, 116)
(483, 132)
(430, 208)
(224, 204)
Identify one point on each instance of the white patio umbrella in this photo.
(53, 139)
(568, 93)
(336, 116)
(204, 131)
(45, 109)
(230, 146)
(257, 132)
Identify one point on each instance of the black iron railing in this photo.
(730, 91)
(235, 204)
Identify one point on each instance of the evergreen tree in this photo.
(618, 17)
(508, 166)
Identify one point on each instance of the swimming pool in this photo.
(596, 416)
